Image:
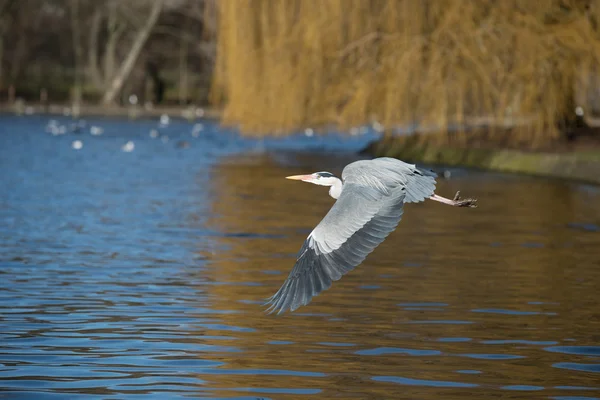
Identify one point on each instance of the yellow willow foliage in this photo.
(287, 64)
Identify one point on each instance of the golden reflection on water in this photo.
(444, 283)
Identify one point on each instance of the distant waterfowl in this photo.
(197, 129)
(56, 130)
(378, 127)
(96, 130)
(128, 147)
(164, 120)
(74, 127)
(309, 132)
(77, 144)
(52, 127)
(153, 133)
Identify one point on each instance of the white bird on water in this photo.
(370, 201)
(153, 133)
(96, 130)
(197, 129)
(128, 147)
(164, 120)
(58, 130)
(77, 144)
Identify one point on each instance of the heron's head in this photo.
(318, 178)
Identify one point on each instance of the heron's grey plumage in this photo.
(367, 211)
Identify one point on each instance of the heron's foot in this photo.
(458, 202)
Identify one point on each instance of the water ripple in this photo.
(579, 350)
(422, 382)
(392, 350)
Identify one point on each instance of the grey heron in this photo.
(369, 204)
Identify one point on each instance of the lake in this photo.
(142, 274)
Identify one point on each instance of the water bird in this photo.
(75, 127)
(128, 147)
(77, 144)
(309, 132)
(57, 130)
(96, 130)
(153, 133)
(369, 205)
(197, 129)
(188, 113)
(378, 127)
(164, 120)
(52, 126)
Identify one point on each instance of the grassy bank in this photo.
(581, 165)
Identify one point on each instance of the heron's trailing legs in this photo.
(457, 201)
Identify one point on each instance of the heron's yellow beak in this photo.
(299, 177)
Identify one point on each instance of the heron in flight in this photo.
(369, 204)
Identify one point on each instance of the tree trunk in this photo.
(114, 31)
(1, 60)
(77, 50)
(93, 70)
(142, 36)
(183, 67)
(18, 58)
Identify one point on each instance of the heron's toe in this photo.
(467, 203)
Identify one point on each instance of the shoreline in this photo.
(577, 165)
(189, 112)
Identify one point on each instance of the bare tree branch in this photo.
(142, 36)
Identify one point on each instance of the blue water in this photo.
(141, 274)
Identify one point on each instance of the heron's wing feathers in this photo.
(420, 185)
(362, 217)
(387, 173)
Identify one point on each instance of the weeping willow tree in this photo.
(444, 64)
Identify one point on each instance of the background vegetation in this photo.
(517, 71)
(443, 65)
(104, 50)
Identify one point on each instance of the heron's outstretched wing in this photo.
(362, 217)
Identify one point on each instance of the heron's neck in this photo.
(336, 189)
